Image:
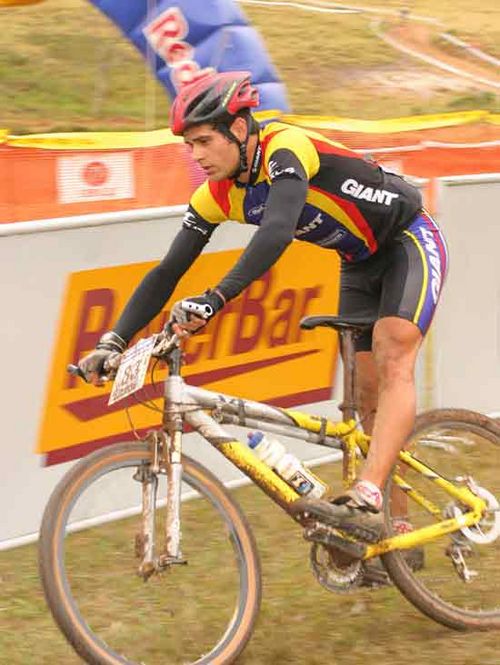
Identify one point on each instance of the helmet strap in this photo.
(242, 145)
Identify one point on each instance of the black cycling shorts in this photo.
(404, 278)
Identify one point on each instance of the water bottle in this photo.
(273, 453)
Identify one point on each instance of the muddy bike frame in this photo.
(206, 412)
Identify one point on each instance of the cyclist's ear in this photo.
(239, 128)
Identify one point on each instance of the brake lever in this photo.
(165, 343)
(76, 371)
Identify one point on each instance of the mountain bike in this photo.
(196, 578)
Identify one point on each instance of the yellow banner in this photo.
(254, 348)
(389, 125)
(95, 140)
(158, 137)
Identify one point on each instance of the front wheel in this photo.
(457, 579)
(202, 612)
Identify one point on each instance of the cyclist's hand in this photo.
(191, 314)
(102, 363)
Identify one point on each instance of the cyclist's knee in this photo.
(395, 347)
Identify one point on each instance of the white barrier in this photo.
(466, 330)
(35, 258)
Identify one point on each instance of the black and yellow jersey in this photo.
(353, 205)
(301, 186)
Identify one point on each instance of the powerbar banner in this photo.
(183, 38)
(254, 348)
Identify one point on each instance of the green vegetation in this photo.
(300, 623)
(64, 66)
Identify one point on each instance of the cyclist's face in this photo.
(217, 155)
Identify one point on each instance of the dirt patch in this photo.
(423, 39)
(477, 132)
(426, 82)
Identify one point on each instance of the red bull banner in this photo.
(254, 348)
(187, 37)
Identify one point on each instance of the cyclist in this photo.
(292, 183)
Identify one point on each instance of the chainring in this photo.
(335, 571)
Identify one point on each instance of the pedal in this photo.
(166, 561)
(319, 533)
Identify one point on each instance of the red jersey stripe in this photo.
(220, 192)
(356, 217)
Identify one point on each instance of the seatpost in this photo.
(348, 353)
(348, 405)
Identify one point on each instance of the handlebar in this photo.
(166, 341)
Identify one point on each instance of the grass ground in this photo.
(63, 66)
(300, 623)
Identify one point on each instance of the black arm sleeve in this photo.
(284, 204)
(157, 286)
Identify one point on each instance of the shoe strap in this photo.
(353, 499)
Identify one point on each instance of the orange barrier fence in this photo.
(46, 176)
(37, 183)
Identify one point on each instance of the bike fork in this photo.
(172, 549)
(165, 461)
(173, 424)
(145, 539)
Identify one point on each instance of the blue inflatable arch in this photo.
(188, 36)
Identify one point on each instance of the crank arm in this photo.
(331, 538)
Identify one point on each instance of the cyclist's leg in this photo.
(411, 285)
(366, 400)
(403, 282)
(395, 347)
(366, 389)
(360, 291)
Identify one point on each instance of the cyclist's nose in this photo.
(198, 153)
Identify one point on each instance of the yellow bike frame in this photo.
(354, 444)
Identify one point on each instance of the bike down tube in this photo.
(243, 412)
(243, 458)
(183, 401)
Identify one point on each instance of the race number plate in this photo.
(131, 374)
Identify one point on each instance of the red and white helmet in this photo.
(213, 98)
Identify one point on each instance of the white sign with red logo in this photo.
(94, 177)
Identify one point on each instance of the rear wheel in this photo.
(201, 612)
(459, 582)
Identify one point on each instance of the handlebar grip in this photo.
(76, 371)
(203, 310)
